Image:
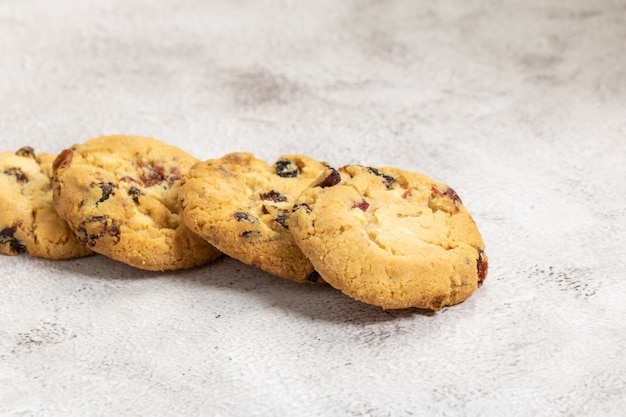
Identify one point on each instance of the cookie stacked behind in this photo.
(241, 205)
(119, 196)
(28, 220)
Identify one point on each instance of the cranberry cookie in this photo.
(241, 205)
(119, 195)
(389, 237)
(28, 221)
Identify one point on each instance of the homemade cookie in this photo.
(119, 195)
(28, 221)
(389, 237)
(241, 205)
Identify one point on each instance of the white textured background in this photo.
(519, 105)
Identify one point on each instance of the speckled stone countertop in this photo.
(519, 105)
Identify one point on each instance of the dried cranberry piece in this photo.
(286, 168)
(7, 237)
(92, 229)
(482, 266)
(363, 205)
(19, 175)
(26, 151)
(241, 216)
(107, 189)
(63, 159)
(274, 196)
(314, 276)
(388, 180)
(331, 179)
(449, 193)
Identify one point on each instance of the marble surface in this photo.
(519, 105)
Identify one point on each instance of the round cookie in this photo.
(241, 205)
(390, 237)
(119, 195)
(29, 222)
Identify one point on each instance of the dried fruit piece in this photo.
(107, 189)
(243, 216)
(63, 159)
(301, 205)
(135, 193)
(449, 193)
(92, 229)
(19, 175)
(332, 178)
(248, 234)
(363, 205)
(26, 151)
(388, 180)
(287, 168)
(274, 196)
(482, 265)
(7, 237)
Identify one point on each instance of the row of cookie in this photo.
(383, 236)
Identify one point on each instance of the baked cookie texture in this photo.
(28, 220)
(390, 237)
(241, 205)
(119, 195)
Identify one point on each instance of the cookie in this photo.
(389, 237)
(119, 195)
(241, 205)
(29, 222)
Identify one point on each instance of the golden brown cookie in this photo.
(241, 205)
(28, 221)
(119, 195)
(390, 237)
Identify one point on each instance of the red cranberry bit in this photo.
(63, 159)
(174, 176)
(7, 237)
(286, 168)
(19, 175)
(408, 193)
(332, 178)
(274, 196)
(482, 265)
(152, 175)
(363, 205)
(26, 151)
(449, 193)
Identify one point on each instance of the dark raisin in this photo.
(482, 265)
(283, 218)
(92, 229)
(19, 175)
(243, 216)
(63, 159)
(286, 168)
(297, 207)
(152, 175)
(274, 196)
(135, 193)
(314, 276)
(7, 237)
(330, 179)
(26, 151)
(248, 234)
(388, 181)
(363, 205)
(107, 189)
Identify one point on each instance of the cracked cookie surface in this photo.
(390, 237)
(29, 222)
(119, 195)
(241, 205)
